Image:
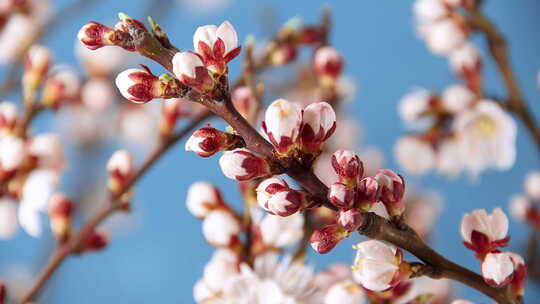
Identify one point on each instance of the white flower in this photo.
(222, 265)
(497, 268)
(457, 98)
(443, 36)
(12, 152)
(318, 122)
(532, 185)
(519, 207)
(8, 219)
(209, 34)
(429, 10)
(494, 226)
(280, 232)
(486, 136)
(202, 198)
(414, 155)
(413, 105)
(375, 265)
(121, 162)
(346, 292)
(328, 62)
(282, 123)
(220, 227)
(185, 64)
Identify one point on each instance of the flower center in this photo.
(484, 126)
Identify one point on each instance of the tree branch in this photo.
(113, 204)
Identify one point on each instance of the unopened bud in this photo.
(120, 168)
(283, 54)
(8, 116)
(341, 196)
(350, 219)
(392, 187)
(367, 193)
(139, 86)
(190, 70)
(208, 141)
(36, 66)
(97, 240)
(348, 166)
(60, 210)
(325, 239)
(95, 35)
(328, 64)
(241, 164)
(318, 124)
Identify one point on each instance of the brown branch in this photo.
(113, 204)
(499, 51)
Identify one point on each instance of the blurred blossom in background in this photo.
(157, 251)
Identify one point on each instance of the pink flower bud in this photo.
(532, 185)
(62, 85)
(519, 277)
(392, 187)
(190, 70)
(328, 62)
(36, 66)
(483, 232)
(497, 269)
(120, 168)
(318, 124)
(208, 141)
(282, 124)
(95, 35)
(221, 228)
(325, 239)
(350, 219)
(202, 198)
(138, 85)
(96, 241)
(244, 102)
(341, 196)
(268, 188)
(348, 166)
(367, 193)
(60, 209)
(8, 116)
(241, 164)
(286, 203)
(216, 45)
(377, 265)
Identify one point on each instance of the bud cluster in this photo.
(220, 225)
(293, 130)
(485, 233)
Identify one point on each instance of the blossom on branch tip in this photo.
(341, 195)
(120, 169)
(392, 189)
(348, 166)
(62, 85)
(318, 124)
(221, 228)
(430, 10)
(275, 196)
(377, 266)
(324, 239)
(328, 64)
(222, 266)
(216, 46)
(466, 62)
(190, 70)
(414, 105)
(497, 268)
(60, 210)
(444, 36)
(281, 123)
(350, 219)
(95, 35)
(96, 241)
(208, 141)
(202, 198)
(241, 164)
(483, 232)
(267, 188)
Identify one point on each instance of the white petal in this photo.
(227, 33)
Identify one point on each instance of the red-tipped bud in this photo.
(241, 164)
(60, 210)
(519, 277)
(392, 187)
(268, 188)
(120, 168)
(283, 54)
(97, 240)
(367, 193)
(62, 85)
(497, 268)
(285, 203)
(341, 196)
(95, 35)
(216, 46)
(244, 102)
(328, 64)
(282, 123)
(325, 239)
(208, 141)
(202, 198)
(8, 116)
(350, 219)
(139, 86)
(190, 70)
(318, 124)
(221, 228)
(348, 166)
(309, 35)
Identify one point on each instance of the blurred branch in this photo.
(12, 74)
(114, 204)
(499, 51)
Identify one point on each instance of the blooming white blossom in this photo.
(209, 35)
(494, 226)
(486, 136)
(375, 265)
(282, 123)
(280, 232)
(532, 185)
(414, 155)
(497, 268)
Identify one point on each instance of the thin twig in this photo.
(113, 204)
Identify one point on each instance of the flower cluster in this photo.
(484, 233)
(523, 207)
(455, 131)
